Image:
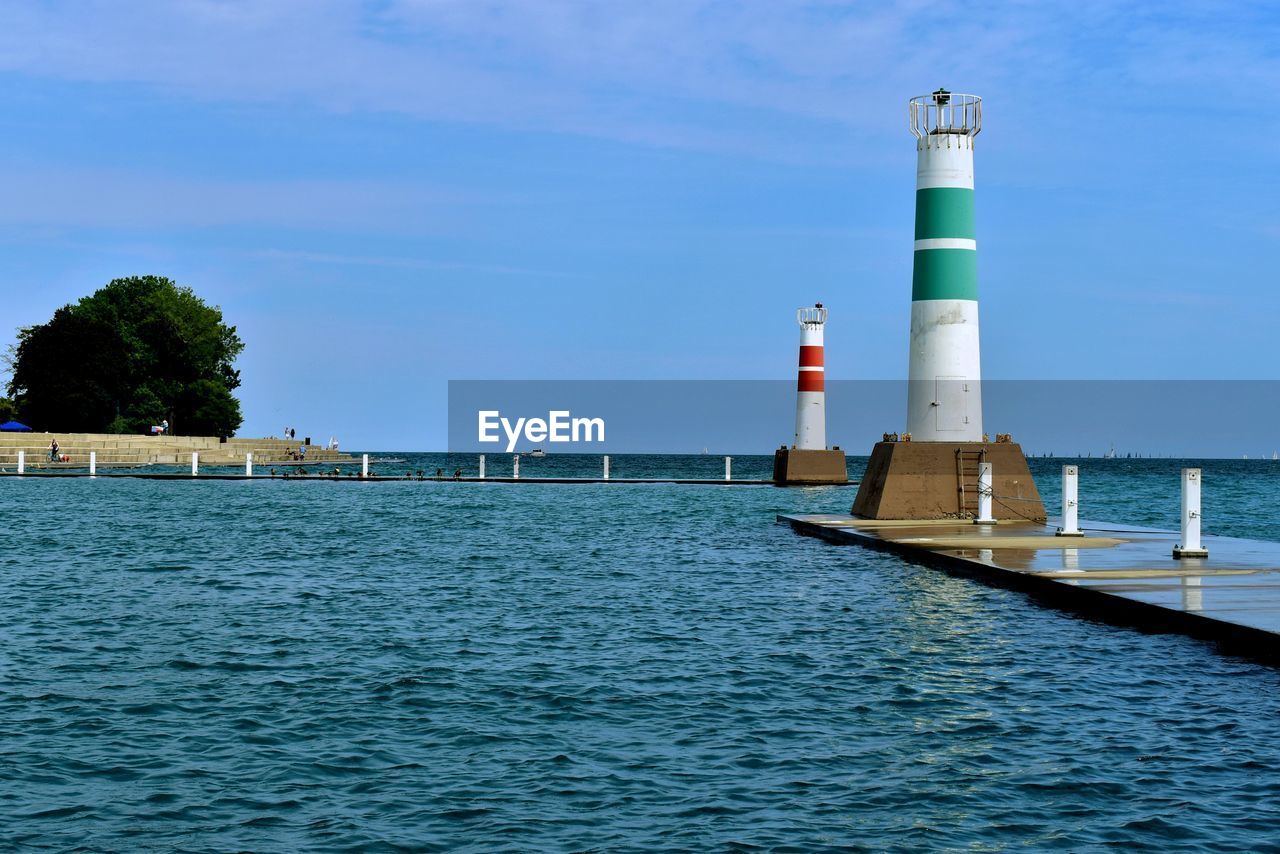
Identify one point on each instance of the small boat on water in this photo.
(536, 452)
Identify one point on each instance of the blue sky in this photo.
(386, 196)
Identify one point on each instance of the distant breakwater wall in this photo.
(113, 449)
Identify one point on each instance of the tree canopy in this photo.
(139, 351)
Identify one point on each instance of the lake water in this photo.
(276, 665)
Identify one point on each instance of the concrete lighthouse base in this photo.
(809, 467)
(938, 480)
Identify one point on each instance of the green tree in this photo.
(139, 351)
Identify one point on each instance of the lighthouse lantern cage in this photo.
(946, 112)
(811, 316)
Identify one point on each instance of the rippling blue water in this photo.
(273, 666)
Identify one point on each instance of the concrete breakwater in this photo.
(128, 450)
(355, 476)
(1120, 573)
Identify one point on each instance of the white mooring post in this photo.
(195, 463)
(985, 481)
(515, 467)
(248, 463)
(1070, 502)
(606, 466)
(364, 465)
(728, 468)
(22, 462)
(1190, 544)
(93, 464)
(482, 466)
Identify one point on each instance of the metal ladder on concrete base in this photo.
(967, 481)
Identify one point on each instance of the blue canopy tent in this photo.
(14, 427)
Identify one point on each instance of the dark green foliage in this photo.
(8, 411)
(139, 351)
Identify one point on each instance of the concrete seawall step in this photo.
(124, 450)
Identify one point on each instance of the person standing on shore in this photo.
(53, 451)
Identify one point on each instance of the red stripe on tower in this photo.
(811, 381)
(811, 357)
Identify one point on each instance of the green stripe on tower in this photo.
(944, 212)
(945, 274)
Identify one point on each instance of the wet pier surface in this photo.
(1121, 574)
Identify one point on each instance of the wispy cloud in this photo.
(68, 198)
(700, 74)
(391, 261)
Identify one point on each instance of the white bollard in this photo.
(1070, 502)
(985, 481)
(93, 464)
(248, 463)
(364, 465)
(195, 463)
(482, 466)
(606, 466)
(728, 468)
(1190, 544)
(22, 462)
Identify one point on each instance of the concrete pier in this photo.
(1119, 573)
(111, 450)
(329, 476)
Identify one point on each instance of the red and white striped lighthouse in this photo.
(811, 394)
(809, 461)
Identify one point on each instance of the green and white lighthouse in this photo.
(947, 470)
(944, 389)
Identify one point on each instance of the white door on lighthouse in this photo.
(951, 404)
